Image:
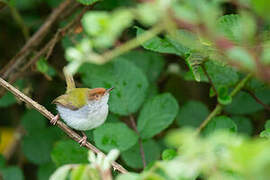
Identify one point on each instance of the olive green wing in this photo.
(73, 99)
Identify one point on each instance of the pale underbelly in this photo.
(83, 118)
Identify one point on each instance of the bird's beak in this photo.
(109, 90)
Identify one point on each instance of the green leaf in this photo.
(168, 154)
(229, 26)
(87, 2)
(114, 135)
(37, 146)
(265, 134)
(150, 63)
(192, 114)
(220, 122)
(255, 84)
(66, 41)
(243, 103)
(129, 176)
(152, 91)
(2, 161)
(7, 100)
(33, 121)
(112, 118)
(238, 28)
(12, 173)
(45, 170)
(68, 152)
(224, 97)
(265, 56)
(42, 65)
(241, 56)
(148, 13)
(261, 7)
(132, 157)
(104, 28)
(190, 76)
(113, 4)
(129, 81)
(156, 115)
(221, 74)
(45, 68)
(160, 45)
(267, 124)
(185, 42)
(53, 3)
(244, 124)
(25, 5)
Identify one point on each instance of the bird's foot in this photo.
(83, 140)
(54, 120)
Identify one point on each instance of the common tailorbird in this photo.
(82, 108)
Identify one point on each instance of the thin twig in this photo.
(127, 46)
(133, 124)
(215, 112)
(72, 134)
(258, 100)
(219, 107)
(209, 78)
(18, 59)
(48, 48)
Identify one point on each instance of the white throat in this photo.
(90, 116)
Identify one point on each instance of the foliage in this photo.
(174, 65)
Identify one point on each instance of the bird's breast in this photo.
(87, 117)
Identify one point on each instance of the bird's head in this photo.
(99, 95)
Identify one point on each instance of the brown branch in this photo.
(72, 134)
(35, 39)
(48, 48)
(258, 100)
(133, 124)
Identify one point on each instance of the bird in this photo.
(82, 108)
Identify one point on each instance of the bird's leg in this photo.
(54, 120)
(83, 140)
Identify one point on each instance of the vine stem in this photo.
(134, 126)
(72, 134)
(131, 44)
(258, 100)
(219, 107)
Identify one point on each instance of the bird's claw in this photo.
(83, 141)
(54, 120)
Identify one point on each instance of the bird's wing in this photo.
(63, 101)
(73, 99)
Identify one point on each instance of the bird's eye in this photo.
(96, 96)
